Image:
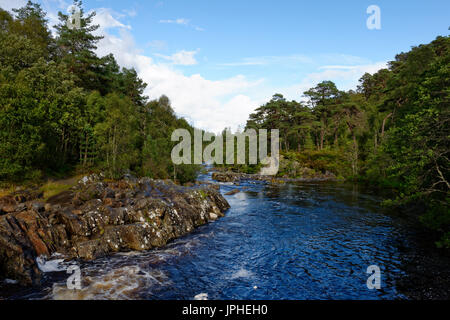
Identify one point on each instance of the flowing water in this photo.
(292, 241)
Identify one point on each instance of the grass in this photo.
(53, 188)
(49, 189)
(203, 194)
(6, 191)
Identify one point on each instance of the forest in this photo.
(65, 110)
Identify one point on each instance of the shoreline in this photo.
(96, 218)
(236, 177)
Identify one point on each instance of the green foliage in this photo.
(17, 53)
(76, 46)
(444, 242)
(157, 146)
(117, 135)
(32, 24)
(62, 107)
(392, 132)
(51, 189)
(333, 161)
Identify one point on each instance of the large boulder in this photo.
(98, 218)
(226, 176)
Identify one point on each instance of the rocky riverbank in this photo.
(236, 177)
(97, 218)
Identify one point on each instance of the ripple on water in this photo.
(241, 273)
(308, 241)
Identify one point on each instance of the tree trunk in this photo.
(375, 141)
(114, 151)
(322, 137)
(355, 149)
(336, 137)
(85, 150)
(356, 156)
(384, 124)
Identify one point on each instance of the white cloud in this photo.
(270, 60)
(346, 76)
(210, 105)
(130, 12)
(357, 69)
(105, 18)
(215, 104)
(12, 4)
(47, 5)
(61, 4)
(338, 67)
(181, 21)
(183, 57)
(345, 73)
(342, 59)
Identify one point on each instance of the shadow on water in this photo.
(292, 241)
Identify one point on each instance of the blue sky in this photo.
(219, 60)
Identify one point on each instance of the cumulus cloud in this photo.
(210, 105)
(215, 104)
(107, 19)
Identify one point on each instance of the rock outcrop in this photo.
(97, 218)
(233, 192)
(308, 176)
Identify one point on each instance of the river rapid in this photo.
(291, 241)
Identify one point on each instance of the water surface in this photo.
(292, 241)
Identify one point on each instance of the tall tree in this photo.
(322, 99)
(77, 44)
(31, 22)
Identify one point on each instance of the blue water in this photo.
(293, 241)
(290, 242)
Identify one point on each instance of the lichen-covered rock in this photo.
(98, 218)
(307, 175)
(226, 176)
(232, 192)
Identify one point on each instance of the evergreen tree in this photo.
(76, 46)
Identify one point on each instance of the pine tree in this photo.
(76, 46)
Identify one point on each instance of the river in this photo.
(292, 241)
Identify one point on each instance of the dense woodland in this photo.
(64, 109)
(393, 131)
